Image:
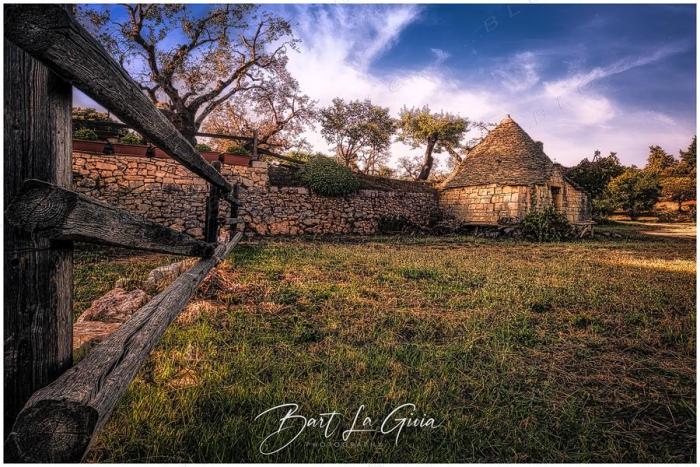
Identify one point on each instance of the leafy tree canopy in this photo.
(594, 175)
(634, 191)
(436, 131)
(658, 160)
(354, 127)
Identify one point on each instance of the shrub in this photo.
(131, 138)
(202, 148)
(546, 225)
(326, 177)
(86, 133)
(237, 150)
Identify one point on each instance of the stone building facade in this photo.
(506, 176)
(164, 191)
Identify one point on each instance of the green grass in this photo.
(523, 352)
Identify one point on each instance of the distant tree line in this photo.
(633, 190)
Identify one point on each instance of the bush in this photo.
(86, 133)
(237, 150)
(546, 225)
(202, 148)
(131, 138)
(326, 177)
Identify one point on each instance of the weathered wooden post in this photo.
(38, 272)
(255, 145)
(211, 219)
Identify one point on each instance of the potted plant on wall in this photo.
(206, 152)
(87, 140)
(130, 144)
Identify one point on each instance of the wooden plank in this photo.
(211, 219)
(267, 152)
(38, 273)
(60, 421)
(51, 35)
(47, 211)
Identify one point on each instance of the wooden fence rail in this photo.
(63, 417)
(47, 211)
(60, 420)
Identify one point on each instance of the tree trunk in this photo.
(184, 121)
(185, 124)
(38, 279)
(427, 160)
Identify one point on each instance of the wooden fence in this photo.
(53, 410)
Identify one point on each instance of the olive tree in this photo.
(190, 60)
(357, 128)
(278, 111)
(435, 131)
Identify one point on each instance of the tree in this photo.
(688, 156)
(594, 175)
(658, 160)
(418, 127)
(356, 127)
(634, 191)
(189, 60)
(678, 189)
(411, 166)
(277, 110)
(371, 160)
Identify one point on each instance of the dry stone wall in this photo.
(164, 191)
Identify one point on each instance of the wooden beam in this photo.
(234, 220)
(60, 421)
(52, 36)
(49, 212)
(231, 137)
(38, 273)
(267, 152)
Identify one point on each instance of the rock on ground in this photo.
(116, 306)
(88, 333)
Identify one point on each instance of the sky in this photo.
(576, 77)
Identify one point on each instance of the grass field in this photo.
(563, 352)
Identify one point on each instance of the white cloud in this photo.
(579, 81)
(568, 115)
(519, 73)
(440, 56)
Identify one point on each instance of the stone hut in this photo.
(507, 175)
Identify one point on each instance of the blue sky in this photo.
(577, 77)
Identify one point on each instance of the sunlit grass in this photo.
(526, 352)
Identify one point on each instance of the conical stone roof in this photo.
(507, 156)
